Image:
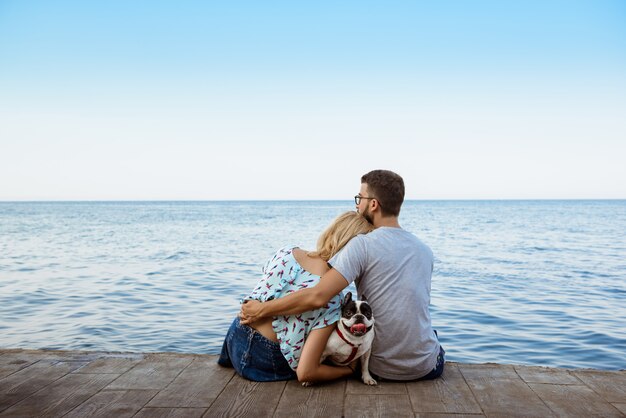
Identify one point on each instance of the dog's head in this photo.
(356, 316)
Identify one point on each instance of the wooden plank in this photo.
(197, 386)
(13, 362)
(436, 415)
(19, 350)
(621, 407)
(495, 371)
(170, 413)
(67, 356)
(245, 398)
(574, 401)
(323, 400)
(501, 392)
(27, 381)
(63, 356)
(610, 385)
(532, 374)
(107, 364)
(60, 397)
(154, 372)
(377, 406)
(113, 403)
(357, 387)
(447, 394)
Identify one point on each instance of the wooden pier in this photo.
(91, 384)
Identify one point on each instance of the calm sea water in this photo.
(522, 282)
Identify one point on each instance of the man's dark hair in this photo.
(388, 188)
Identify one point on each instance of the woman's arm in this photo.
(309, 367)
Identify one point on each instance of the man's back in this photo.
(392, 268)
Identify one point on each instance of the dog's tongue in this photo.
(358, 329)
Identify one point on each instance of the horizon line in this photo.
(295, 200)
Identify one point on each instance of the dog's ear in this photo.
(363, 298)
(348, 298)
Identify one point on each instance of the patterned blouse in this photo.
(283, 275)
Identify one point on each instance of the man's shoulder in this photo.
(394, 234)
(383, 240)
(396, 239)
(358, 243)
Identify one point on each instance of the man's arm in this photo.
(330, 284)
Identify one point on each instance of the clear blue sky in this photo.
(293, 100)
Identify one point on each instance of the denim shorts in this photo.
(253, 356)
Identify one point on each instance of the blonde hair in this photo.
(345, 227)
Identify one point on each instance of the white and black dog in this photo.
(352, 337)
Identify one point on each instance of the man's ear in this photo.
(374, 204)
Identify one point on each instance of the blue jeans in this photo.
(438, 370)
(253, 356)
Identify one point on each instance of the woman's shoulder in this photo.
(285, 251)
(281, 255)
(311, 264)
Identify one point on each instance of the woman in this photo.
(291, 346)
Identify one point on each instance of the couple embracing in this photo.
(285, 323)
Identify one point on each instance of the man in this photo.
(392, 270)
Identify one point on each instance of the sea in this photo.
(520, 282)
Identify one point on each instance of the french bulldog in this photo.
(352, 337)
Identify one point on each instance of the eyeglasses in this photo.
(357, 199)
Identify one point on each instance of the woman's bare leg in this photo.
(309, 368)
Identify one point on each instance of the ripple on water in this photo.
(177, 256)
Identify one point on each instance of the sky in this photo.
(196, 100)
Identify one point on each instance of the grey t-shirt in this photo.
(392, 268)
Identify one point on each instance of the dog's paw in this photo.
(369, 380)
(307, 384)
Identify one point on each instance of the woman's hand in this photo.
(250, 312)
